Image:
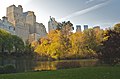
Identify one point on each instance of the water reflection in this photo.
(64, 64)
(23, 65)
(45, 65)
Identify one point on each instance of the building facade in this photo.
(23, 23)
(6, 25)
(52, 24)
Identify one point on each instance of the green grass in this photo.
(78, 73)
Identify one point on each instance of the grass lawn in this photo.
(78, 73)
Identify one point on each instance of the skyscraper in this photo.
(78, 28)
(85, 27)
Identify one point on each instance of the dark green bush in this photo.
(1, 70)
(9, 69)
(69, 64)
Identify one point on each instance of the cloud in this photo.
(88, 1)
(92, 1)
(84, 11)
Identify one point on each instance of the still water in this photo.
(23, 65)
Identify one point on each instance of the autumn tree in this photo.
(57, 43)
(64, 44)
(77, 42)
(117, 27)
(90, 43)
(51, 46)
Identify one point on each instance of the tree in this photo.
(64, 44)
(110, 49)
(9, 43)
(28, 50)
(90, 39)
(90, 43)
(57, 43)
(77, 42)
(117, 27)
(18, 44)
(65, 33)
(41, 50)
(51, 46)
(5, 43)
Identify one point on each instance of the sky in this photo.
(104, 13)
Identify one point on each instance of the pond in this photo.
(23, 65)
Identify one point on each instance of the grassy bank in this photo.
(79, 73)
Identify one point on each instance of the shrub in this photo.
(69, 64)
(1, 70)
(9, 69)
(109, 52)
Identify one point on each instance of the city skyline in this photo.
(91, 12)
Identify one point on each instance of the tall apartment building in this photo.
(24, 23)
(78, 28)
(85, 27)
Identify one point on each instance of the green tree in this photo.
(18, 44)
(28, 49)
(9, 43)
(4, 36)
(90, 39)
(90, 43)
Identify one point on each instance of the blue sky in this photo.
(92, 12)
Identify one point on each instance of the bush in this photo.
(68, 64)
(1, 70)
(9, 69)
(109, 52)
